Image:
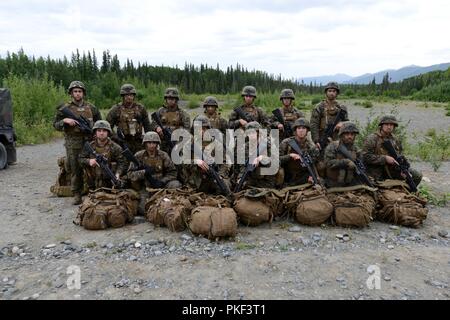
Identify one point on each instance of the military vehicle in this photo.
(7, 135)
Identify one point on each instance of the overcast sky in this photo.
(294, 38)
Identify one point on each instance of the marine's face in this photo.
(77, 94)
(151, 146)
(286, 102)
(210, 110)
(348, 137)
(387, 128)
(249, 100)
(128, 98)
(101, 134)
(301, 132)
(171, 102)
(331, 94)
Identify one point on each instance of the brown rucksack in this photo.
(106, 207)
(397, 205)
(308, 204)
(353, 206)
(213, 222)
(255, 206)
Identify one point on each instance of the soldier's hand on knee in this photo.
(93, 162)
(257, 160)
(242, 122)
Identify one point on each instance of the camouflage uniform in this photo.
(295, 174)
(74, 138)
(290, 114)
(256, 179)
(193, 176)
(130, 119)
(163, 169)
(254, 113)
(173, 118)
(325, 113)
(216, 121)
(111, 151)
(375, 155)
(340, 172)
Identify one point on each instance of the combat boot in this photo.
(76, 199)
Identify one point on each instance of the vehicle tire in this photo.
(3, 157)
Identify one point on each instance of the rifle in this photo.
(213, 173)
(103, 163)
(137, 164)
(249, 167)
(403, 164)
(243, 115)
(306, 161)
(360, 169)
(287, 127)
(83, 123)
(330, 129)
(167, 132)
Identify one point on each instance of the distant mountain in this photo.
(394, 75)
(340, 77)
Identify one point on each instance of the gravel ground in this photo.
(39, 242)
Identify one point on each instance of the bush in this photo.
(434, 148)
(437, 200)
(315, 100)
(367, 104)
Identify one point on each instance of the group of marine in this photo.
(131, 150)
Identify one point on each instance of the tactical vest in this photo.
(214, 120)
(293, 168)
(171, 119)
(328, 116)
(105, 151)
(86, 112)
(129, 121)
(341, 176)
(155, 162)
(289, 114)
(252, 112)
(380, 150)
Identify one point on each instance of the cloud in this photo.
(294, 38)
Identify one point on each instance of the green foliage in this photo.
(315, 100)
(434, 148)
(432, 198)
(366, 104)
(439, 92)
(34, 107)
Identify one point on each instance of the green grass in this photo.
(434, 148)
(433, 198)
(244, 246)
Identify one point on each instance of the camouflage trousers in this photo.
(76, 172)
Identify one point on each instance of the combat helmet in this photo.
(127, 89)
(332, 85)
(287, 93)
(210, 101)
(388, 119)
(348, 127)
(76, 84)
(249, 91)
(102, 124)
(151, 136)
(253, 125)
(204, 120)
(171, 93)
(301, 122)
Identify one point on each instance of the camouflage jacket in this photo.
(322, 115)
(295, 174)
(131, 120)
(194, 177)
(256, 178)
(73, 136)
(339, 172)
(374, 155)
(217, 122)
(163, 166)
(172, 118)
(290, 115)
(111, 151)
(254, 113)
